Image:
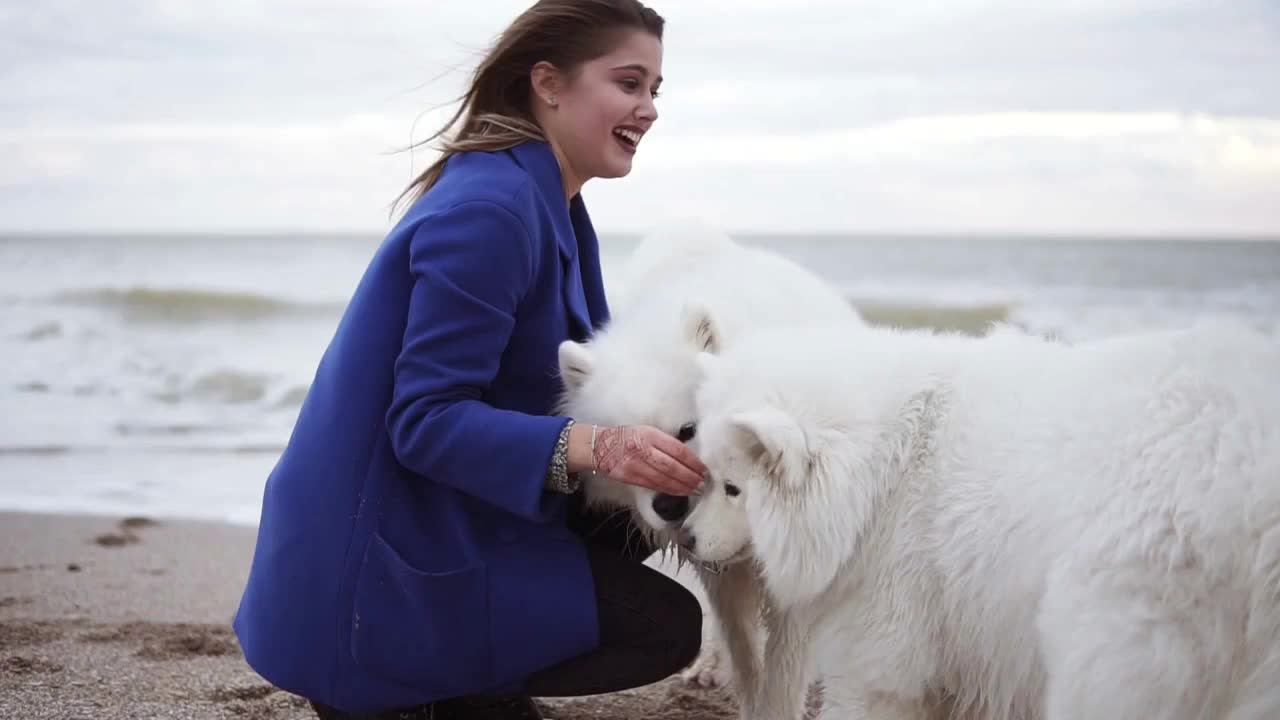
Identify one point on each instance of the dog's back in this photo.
(1122, 502)
(1078, 531)
(746, 287)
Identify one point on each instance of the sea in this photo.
(160, 375)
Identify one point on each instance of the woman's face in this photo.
(603, 110)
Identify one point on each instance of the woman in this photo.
(422, 550)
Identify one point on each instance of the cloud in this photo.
(1109, 173)
(1128, 116)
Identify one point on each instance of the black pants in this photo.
(650, 625)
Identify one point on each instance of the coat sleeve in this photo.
(471, 266)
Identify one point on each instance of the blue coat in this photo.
(407, 551)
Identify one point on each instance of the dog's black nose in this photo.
(671, 508)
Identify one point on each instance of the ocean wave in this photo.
(972, 319)
(293, 397)
(191, 304)
(232, 387)
(38, 450)
(43, 331)
(266, 448)
(171, 429)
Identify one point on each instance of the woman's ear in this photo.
(546, 81)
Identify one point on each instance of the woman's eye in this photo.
(731, 490)
(631, 84)
(687, 431)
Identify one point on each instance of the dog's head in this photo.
(639, 372)
(785, 488)
(751, 456)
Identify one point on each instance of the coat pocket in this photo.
(429, 630)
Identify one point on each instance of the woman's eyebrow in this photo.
(638, 68)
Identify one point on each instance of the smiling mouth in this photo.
(627, 138)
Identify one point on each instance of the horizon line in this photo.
(858, 234)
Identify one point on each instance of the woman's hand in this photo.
(646, 456)
(639, 455)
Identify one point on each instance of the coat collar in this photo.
(576, 237)
(540, 162)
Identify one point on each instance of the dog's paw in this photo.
(710, 670)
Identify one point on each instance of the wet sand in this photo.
(106, 618)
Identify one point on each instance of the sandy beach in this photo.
(106, 618)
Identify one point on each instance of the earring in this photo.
(551, 101)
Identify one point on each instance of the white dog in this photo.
(641, 369)
(1039, 530)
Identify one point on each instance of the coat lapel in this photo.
(574, 296)
(590, 275)
(575, 237)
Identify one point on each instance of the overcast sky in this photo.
(1074, 116)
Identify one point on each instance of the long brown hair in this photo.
(495, 110)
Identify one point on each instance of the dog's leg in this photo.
(710, 669)
(842, 701)
(845, 700)
(734, 597)
(787, 659)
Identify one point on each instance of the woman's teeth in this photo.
(631, 136)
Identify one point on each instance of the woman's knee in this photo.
(680, 614)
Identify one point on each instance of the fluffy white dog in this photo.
(1039, 530)
(641, 369)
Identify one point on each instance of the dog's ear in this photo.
(773, 439)
(699, 327)
(576, 364)
(801, 531)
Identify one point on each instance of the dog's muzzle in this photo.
(707, 566)
(714, 568)
(671, 508)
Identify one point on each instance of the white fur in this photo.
(1036, 529)
(641, 368)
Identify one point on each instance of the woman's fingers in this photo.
(649, 477)
(677, 475)
(646, 456)
(681, 453)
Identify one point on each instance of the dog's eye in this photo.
(687, 431)
(731, 490)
